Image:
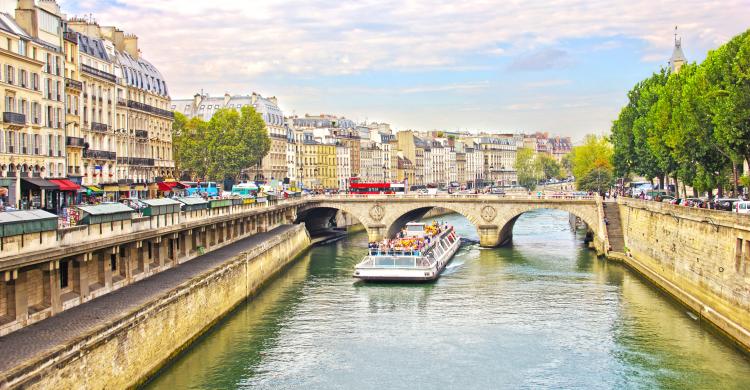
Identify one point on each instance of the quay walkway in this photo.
(44, 337)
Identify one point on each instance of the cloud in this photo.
(543, 59)
(447, 87)
(329, 37)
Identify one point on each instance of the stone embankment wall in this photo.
(131, 348)
(701, 257)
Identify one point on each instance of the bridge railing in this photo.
(563, 196)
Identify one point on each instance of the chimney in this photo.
(118, 38)
(253, 98)
(273, 100)
(130, 43)
(226, 98)
(26, 17)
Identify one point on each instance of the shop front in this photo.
(66, 195)
(111, 192)
(92, 194)
(34, 192)
(7, 192)
(138, 191)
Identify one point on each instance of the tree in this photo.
(528, 168)
(597, 180)
(595, 152)
(222, 147)
(550, 168)
(567, 164)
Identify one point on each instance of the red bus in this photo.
(358, 187)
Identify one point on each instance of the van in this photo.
(742, 207)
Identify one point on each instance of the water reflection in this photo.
(543, 313)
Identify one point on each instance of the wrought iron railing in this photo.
(98, 73)
(99, 154)
(150, 109)
(14, 118)
(99, 127)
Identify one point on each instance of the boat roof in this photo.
(415, 224)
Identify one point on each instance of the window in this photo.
(22, 47)
(48, 22)
(9, 74)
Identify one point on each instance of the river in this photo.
(542, 313)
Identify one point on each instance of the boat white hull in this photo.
(396, 274)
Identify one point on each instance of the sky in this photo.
(560, 66)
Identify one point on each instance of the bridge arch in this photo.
(509, 218)
(319, 217)
(399, 219)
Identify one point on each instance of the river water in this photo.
(542, 313)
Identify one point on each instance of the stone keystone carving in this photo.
(488, 213)
(377, 212)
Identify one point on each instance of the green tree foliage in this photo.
(222, 147)
(596, 152)
(599, 179)
(567, 164)
(550, 167)
(692, 125)
(528, 168)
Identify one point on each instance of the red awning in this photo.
(164, 186)
(66, 185)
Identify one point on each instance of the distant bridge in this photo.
(492, 215)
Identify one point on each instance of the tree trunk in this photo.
(736, 179)
(720, 190)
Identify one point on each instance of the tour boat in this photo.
(419, 253)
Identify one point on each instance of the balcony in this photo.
(122, 102)
(100, 127)
(150, 109)
(74, 142)
(14, 119)
(98, 73)
(99, 154)
(145, 162)
(141, 134)
(71, 36)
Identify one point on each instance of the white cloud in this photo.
(237, 46)
(447, 87)
(184, 37)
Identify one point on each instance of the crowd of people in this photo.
(404, 242)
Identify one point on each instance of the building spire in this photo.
(678, 57)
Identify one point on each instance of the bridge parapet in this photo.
(492, 215)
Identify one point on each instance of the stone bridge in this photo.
(492, 215)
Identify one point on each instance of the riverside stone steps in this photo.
(614, 227)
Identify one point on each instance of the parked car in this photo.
(726, 204)
(693, 202)
(742, 207)
(497, 191)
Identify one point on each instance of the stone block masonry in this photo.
(118, 340)
(700, 257)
